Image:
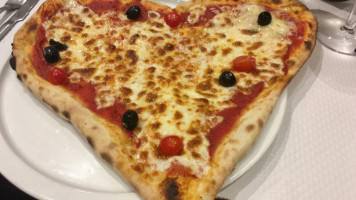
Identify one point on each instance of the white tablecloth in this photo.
(314, 155)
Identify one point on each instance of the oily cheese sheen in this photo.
(170, 76)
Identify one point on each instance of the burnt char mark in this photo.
(106, 157)
(54, 108)
(308, 45)
(170, 189)
(32, 27)
(66, 114)
(19, 77)
(90, 141)
(220, 198)
(12, 62)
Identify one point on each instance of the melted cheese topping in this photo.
(170, 76)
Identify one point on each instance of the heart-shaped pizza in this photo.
(172, 98)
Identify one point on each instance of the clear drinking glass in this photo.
(338, 34)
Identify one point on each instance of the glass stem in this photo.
(351, 21)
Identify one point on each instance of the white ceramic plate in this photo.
(44, 156)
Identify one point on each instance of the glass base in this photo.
(332, 36)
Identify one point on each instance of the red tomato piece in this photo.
(173, 19)
(244, 64)
(57, 76)
(171, 145)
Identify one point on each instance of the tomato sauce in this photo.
(42, 67)
(178, 169)
(99, 7)
(296, 37)
(210, 13)
(231, 115)
(86, 91)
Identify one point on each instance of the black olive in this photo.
(133, 12)
(227, 79)
(12, 62)
(264, 18)
(59, 46)
(130, 120)
(51, 54)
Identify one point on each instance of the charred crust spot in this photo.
(260, 123)
(276, 1)
(66, 114)
(12, 62)
(90, 141)
(170, 189)
(106, 157)
(250, 127)
(32, 27)
(54, 108)
(308, 45)
(19, 77)
(310, 25)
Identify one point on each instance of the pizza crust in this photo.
(108, 141)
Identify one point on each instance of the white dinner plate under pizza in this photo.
(46, 157)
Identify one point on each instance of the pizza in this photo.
(171, 98)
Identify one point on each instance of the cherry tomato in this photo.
(173, 19)
(244, 64)
(57, 76)
(171, 145)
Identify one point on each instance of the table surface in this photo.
(314, 154)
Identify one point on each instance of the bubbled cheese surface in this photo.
(170, 76)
